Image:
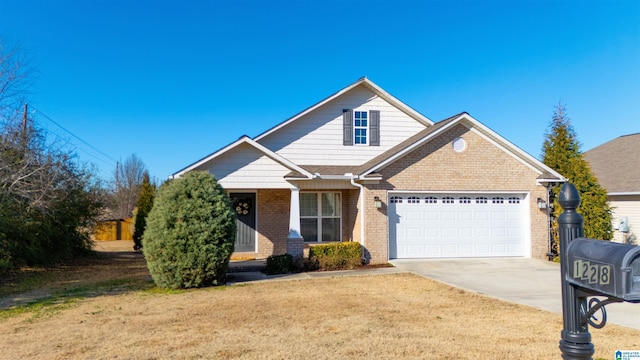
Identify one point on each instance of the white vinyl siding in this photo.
(628, 206)
(317, 138)
(244, 167)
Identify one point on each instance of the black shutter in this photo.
(347, 127)
(374, 127)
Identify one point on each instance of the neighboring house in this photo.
(362, 166)
(616, 164)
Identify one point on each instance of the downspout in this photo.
(361, 187)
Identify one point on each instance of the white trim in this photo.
(362, 81)
(524, 204)
(362, 212)
(319, 215)
(360, 127)
(294, 215)
(244, 140)
(459, 191)
(623, 193)
(484, 132)
(540, 181)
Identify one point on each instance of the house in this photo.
(616, 164)
(363, 166)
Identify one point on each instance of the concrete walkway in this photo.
(525, 281)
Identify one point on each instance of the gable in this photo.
(482, 166)
(316, 137)
(246, 167)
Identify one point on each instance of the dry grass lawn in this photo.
(118, 314)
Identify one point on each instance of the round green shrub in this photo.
(190, 233)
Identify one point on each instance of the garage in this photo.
(441, 225)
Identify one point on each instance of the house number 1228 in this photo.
(592, 272)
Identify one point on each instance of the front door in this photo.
(244, 205)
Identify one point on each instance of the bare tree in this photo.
(48, 201)
(127, 182)
(15, 79)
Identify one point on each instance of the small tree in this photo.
(127, 182)
(561, 152)
(144, 205)
(190, 233)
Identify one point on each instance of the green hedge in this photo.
(279, 264)
(190, 233)
(343, 255)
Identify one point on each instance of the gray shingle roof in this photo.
(616, 163)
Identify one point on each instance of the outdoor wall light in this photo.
(541, 204)
(377, 202)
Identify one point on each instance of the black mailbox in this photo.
(605, 268)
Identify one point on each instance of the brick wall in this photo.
(436, 166)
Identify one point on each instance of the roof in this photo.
(616, 164)
(438, 128)
(243, 140)
(369, 170)
(363, 81)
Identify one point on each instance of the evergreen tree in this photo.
(144, 205)
(561, 152)
(190, 233)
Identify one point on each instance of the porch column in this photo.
(295, 242)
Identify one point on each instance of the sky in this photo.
(174, 81)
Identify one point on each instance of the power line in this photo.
(77, 137)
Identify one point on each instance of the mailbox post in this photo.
(576, 339)
(590, 268)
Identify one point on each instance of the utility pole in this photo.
(24, 125)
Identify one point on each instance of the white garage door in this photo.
(456, 225)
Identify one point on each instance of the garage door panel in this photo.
(454, 225)
(448, 216)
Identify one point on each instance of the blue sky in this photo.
(173, 81)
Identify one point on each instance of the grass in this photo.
(384, 317)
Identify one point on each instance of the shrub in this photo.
(343, 255)
(190, 233)
(279, 264)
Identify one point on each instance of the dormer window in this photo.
(361, 127)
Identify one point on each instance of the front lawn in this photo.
(386, 316)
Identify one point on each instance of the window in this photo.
(431, 200)
(481, 200)
(360, 127)
(396, 200)
(497, 200)
(448, 200)
(413, 200)
(514, 200)
(465, 200)
(321, 216)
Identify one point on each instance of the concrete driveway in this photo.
(525, 281)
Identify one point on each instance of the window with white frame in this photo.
(321, 216)
(360, 127)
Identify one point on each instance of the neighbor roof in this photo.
(616, 164)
